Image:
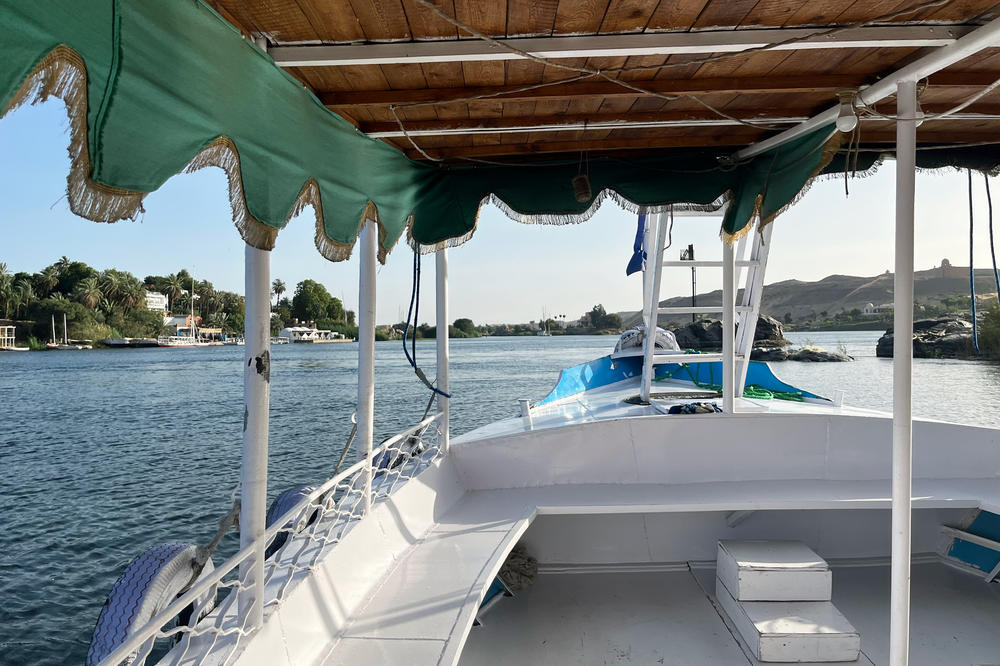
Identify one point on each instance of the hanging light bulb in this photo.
(847, 117)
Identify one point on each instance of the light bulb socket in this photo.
(847, 116)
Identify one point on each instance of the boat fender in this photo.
(281, 505)
(150, 583)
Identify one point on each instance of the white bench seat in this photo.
(424, 608)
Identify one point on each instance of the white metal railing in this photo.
(306, 533)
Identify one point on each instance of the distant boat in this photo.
(230, 342)
(66, 344)
(184, 340)
(279, 340)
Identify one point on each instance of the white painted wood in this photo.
(971, 538)
(256, 415)
(757, 570)
(728, 328)
(984, 37)
(792, 631)
(698, 309)
(753, 294)
(608, 46)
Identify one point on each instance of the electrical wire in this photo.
(972, 274)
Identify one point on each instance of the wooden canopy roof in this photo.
(686, 84)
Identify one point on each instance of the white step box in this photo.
(791, 631)
(773, 571)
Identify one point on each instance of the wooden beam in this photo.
(616, 45)
(656, 120)
(774, 84)
(741, 138)
(565, 123)
(794, 84)
(574, 147)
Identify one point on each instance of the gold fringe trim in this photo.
(830, 149)
(63, 74)
(559, 219)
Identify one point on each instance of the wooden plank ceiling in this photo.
(432, 99)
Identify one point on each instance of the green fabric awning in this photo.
(156, 88)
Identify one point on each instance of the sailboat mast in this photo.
(53, 329)
(191, 330)
(65, 331)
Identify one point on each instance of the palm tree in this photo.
(277, 288)
(174, 288)
(110, 283)
(62, 265)
(133, 295)
(6, 289)
(22, 296)
(48, 279)
(88, 292)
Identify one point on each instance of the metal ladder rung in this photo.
(691, 358)
(742, 263)
(688, 309)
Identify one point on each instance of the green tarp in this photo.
(154, 87)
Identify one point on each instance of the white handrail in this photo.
(152, 628)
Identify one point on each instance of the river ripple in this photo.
(105, 453)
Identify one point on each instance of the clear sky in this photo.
(508, 272)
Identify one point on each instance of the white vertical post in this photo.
(728, 327)
(647, 275)
(256, 403)
(902, 376)
(366, 355)
(441, 301)
(654, 265)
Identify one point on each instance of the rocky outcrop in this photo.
(768, 354)
(817, 355)
(706, 334)
(944, 337)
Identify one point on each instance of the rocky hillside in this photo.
(837, 293)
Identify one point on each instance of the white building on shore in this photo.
(156, 301)
(310, 334)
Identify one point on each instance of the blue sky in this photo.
(507, 272)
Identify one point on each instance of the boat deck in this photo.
(670, 618)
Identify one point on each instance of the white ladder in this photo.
(742, 317)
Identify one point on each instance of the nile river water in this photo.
(105, 453)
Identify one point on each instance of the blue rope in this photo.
(993, 250)
(972, 274)
(413, 315)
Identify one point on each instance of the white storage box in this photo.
(792, 631)
(773, 571)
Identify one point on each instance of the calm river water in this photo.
(105, 453)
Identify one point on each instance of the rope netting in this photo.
(189, 632)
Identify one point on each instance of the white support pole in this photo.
(654, 264)
(728, 327)
(256, 405)
(647, 275)
(902, 375)
(441, 301)
(366, 355)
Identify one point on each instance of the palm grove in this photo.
(109, 303)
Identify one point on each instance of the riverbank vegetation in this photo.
(107, 304)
